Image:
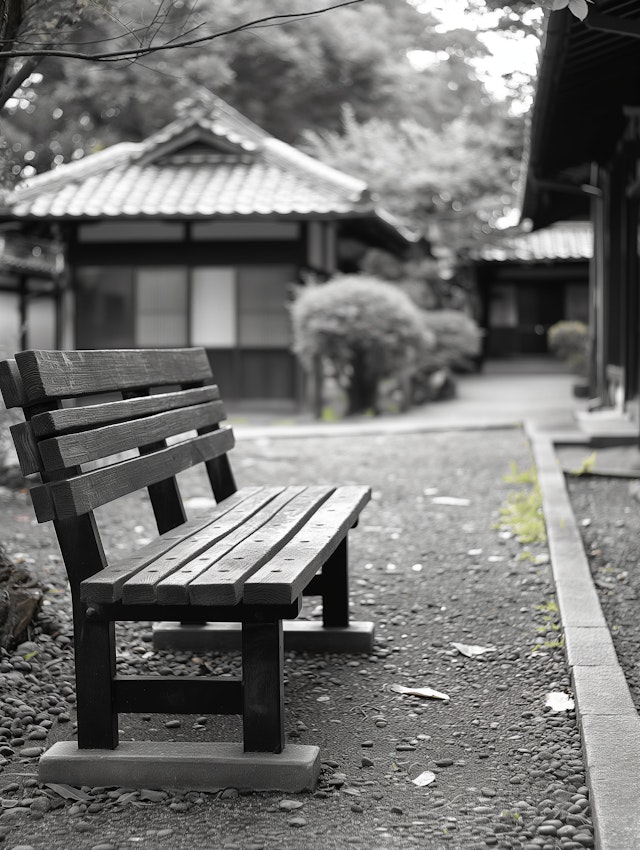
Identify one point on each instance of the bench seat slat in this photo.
(67, 374)
(140, 588)
(286, 575)
(106, 585)
(172, 589)
(75, 449)
(222, 583)
(69, 419)
(83, 493)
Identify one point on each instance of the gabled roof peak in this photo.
(209, 121)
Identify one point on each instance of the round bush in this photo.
(365, 328)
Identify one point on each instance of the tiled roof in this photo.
(206, 164)
(23, 256)
(563, 241)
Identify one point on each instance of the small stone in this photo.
(298, 822)
(547, 829)
(289, 805)
(37, 734)
(31, 752)
(229, 793)
(367, 762)
(444, 762)
(172, 724)
(584, 838)
(396, 810)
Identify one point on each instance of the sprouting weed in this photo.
(522, 509)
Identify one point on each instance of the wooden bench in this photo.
(248, 560)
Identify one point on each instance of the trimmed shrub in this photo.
(365, 330)
(458, 343)
(568, 341)
(458, 338)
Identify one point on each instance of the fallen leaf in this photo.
(425, 778)
(471, 650)
(426, 693)
(559, 701)
(451, 500)
(68, 792)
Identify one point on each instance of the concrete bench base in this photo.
(299, 635)
(186, 765)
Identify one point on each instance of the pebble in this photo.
(289, 805)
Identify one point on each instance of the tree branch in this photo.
(137, 52)
(13, 83)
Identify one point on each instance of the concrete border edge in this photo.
(609, 723)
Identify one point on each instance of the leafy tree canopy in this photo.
(428, 139)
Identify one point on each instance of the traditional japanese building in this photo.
(197, 236)
(527, 282)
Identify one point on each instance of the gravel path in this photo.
(508, 770)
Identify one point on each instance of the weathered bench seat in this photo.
(247, 561)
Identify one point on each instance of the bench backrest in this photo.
(90, 450)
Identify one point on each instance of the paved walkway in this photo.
(538, 395)
(505, 393)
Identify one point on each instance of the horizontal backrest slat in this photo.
(11, 384)
(85, 446)
(70, 419)
(82, 493)
(68, 374)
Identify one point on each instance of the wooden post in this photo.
(94, 641)
(335, 584)
(263, 690)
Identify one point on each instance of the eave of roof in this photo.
(565, 241)
(586, 77)
(212, 164)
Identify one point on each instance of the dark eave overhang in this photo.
(589, 72)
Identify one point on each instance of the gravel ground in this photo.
(508, 770)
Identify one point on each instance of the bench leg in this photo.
(263, 686)
(95, 671)
(335, 594)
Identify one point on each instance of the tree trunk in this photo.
(363, 387)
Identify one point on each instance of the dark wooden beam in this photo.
(609, 23)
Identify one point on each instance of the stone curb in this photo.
(609, 722)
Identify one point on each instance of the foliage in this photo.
(455, 175)
(365, 329)
(458, 338)
(568, 340)
(587, 466)
(458, 342)
(287, 78)
(522, 509)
